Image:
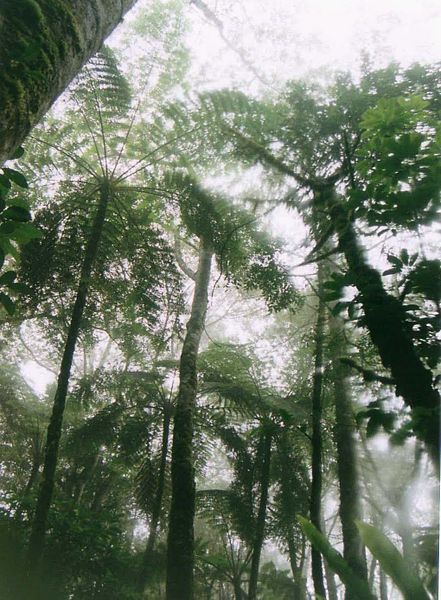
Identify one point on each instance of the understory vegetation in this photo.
(220, 318)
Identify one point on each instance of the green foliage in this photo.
(275, 583)
(392, 562)
(15, 229)
(377, 418)
(336, 562)
(399, 161)
(246, 255)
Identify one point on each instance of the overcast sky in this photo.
(289, 38)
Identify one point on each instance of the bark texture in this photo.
(156, 511)
(46, 488)
(316, 462)
(385, 319)
(261, 514)
(353, 549)
(299, 592)
(180, 546)
(43, 45)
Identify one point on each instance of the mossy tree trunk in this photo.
(316, 461)
(46, 488)
(180, 546)
(350, 511)
(259, 535)
(157, 507)
(43, 45)
(385, 319)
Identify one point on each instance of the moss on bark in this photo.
(180, 546)
(35, 38)
(43, 44)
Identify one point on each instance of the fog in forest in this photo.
(220, 301)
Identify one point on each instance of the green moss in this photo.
(31, 53)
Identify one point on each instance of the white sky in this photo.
(288, 38)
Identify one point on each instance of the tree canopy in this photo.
(220, 316)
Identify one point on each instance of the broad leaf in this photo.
(392, 562)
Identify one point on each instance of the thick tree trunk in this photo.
(180, 547)
(43, 45)
(385, 320)
(347, 462)
(259, 535)
(156, 511)
(316, 462)
(55, 424)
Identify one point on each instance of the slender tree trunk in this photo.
(156, 512)
(329, 574)
(316, 462)
(85, 477)
(102, 493)
(297, 574)
(383, 585)
(330, 582)
(238, 592)
(259, 535)
(63, 36)
(385, 320)
(180, 547)
(55, 424)
(346, 462)
(33, 478)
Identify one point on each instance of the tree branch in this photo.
(368, 375)
(181, 262)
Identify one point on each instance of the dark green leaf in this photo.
(17, 213)
(19, 288)
(18, 153)
(24, 232)
(8, 304)
(411, 307)
(4, 182)
(404, 256)
(17, 177)
(394, 260)
(8, 278)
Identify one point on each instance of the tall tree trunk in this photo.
(156, 511)
(55, 424)
(238, 592)
(346, 461)
(180, 547)
(297, 574)
(33, 478)
(385, 320)
(259, 535)
(84, 478)
(329, 574)
(63, 36)
(383, 585)
(316, 462)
